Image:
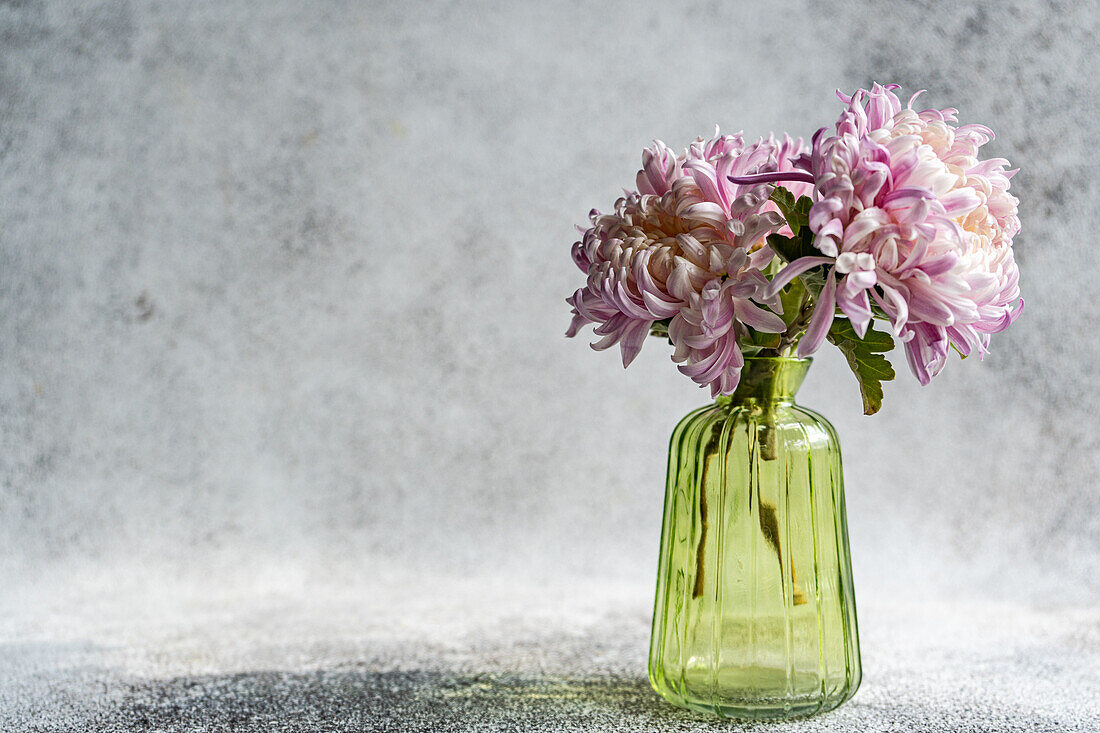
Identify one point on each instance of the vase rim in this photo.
(770, 378)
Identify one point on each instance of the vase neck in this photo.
(770, 380)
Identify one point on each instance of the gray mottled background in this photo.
(289, 431)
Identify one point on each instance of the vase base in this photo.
(759, 712)
(754, 693)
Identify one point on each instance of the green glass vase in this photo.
(755, 616)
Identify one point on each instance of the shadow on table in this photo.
(361, 700)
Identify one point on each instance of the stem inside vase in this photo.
(768, 447)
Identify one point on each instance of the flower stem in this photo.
(789, 338)
(701, 551)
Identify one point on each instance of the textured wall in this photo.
(281, 286)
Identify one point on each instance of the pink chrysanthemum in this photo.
(908, 217)
(686, 247)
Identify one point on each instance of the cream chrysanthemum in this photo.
(907, 217)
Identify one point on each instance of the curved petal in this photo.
(753, 315)
(791, 271)
(821, 319)
(633, 337)
(857, 307)
(792, 175)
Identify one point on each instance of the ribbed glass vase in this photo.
(755, 614)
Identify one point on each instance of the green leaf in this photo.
(796, 212)
(801, 243)
(792, 297)
(786, 247)
(865, 357)
(791, 248)
(763, 339)
(660, 329)
(783, 198)
(814, 280)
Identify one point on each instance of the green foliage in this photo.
(796, 212)
(801, 244)
(792, 248)
(660, 329)
(792, 297)
(764, 340)
(865, 357)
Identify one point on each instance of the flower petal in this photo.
(821, 319)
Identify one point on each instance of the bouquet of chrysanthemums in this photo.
(774, 247)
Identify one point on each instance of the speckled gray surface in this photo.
(495, 654)
(289, 434)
